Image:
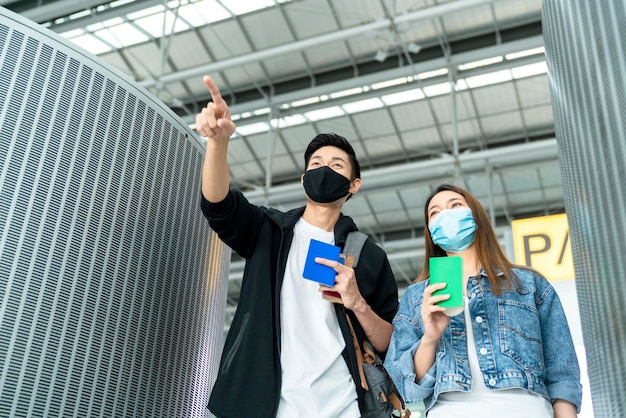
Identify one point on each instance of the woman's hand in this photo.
(435, 322)
(434, 317)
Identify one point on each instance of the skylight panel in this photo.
(530, 70)
(461, 85)
(326, 113)
(146, 12)
(495, 77)
(154, 24)
(77, 15)
(437, 89)
(480, 63)
(172, 4)
(191, 15)
(526, 53)
(91, 44)
(390, 83)
(120, 3)
(105, 24)
(150, 20)
(239, 7)
(109, 37)
(363, 105)
(253, 128)
(204, 12)
(262, 111)
(73, 33)
(287, 121)
(403, 97)
(305, 102)
(431, 74)
(129, 35)
(345, 93)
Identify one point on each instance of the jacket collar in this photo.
(484, 274)
(344, 224)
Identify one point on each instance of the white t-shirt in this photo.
(316, 381)
(484, 402)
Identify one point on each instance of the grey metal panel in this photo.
(585, 50)
(113, 287)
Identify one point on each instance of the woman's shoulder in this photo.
(529, 277)
(527, 273)
(415, 290)
(411, 301)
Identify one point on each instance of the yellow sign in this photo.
(543, 244)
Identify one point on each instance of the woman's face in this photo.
(446, 199)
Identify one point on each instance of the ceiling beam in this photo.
(60, 8)
(386, 75)
(297, 46)
(290, 194)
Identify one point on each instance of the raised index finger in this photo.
(215, 92)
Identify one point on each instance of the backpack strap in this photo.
(359, 355)
(398, 404)
(368, 355)
(351, 252)
(350, 255)
(353, 246)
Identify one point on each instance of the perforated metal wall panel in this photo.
(112, 285)
(585, 43)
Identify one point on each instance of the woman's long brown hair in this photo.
(488, 251)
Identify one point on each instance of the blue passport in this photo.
(319, 272)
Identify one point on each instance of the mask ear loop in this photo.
(350, 194)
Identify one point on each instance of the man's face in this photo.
(333, 157)
(337, 160)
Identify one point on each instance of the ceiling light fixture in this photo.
(381, 55)
(414, 48)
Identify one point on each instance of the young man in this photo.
(289, 352)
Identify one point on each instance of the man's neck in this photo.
(322, 216)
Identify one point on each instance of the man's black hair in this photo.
(331, 139)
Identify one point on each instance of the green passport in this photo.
(450, 271)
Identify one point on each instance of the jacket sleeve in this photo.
(562, 373)
(383, 296)
(235, 220)
(406, 337)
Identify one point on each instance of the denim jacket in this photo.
(522, 339)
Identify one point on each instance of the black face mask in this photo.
(325, 185)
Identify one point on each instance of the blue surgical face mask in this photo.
(453, 229)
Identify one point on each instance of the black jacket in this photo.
(249, 377)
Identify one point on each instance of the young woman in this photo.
(508, 353)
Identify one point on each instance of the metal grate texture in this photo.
(585, 43)
(112, 285)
